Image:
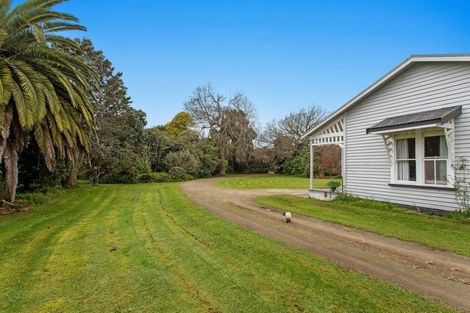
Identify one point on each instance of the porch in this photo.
(331, 134)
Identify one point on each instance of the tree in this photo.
(329, 160)
(119, 148)
(294, 125)
(285, 136)
(210, 110)
(180, 123)
(241, 135)
(44, 90)
(159, 143)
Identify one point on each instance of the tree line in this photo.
(215, 134)
(65, 115)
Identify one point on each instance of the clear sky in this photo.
(284, 55)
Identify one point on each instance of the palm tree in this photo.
(44, 90)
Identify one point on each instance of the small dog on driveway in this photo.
(288, 216)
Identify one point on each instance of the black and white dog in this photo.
(288, 216)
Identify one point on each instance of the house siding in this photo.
(421, 87)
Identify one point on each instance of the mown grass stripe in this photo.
(23, 264)
(172, 256)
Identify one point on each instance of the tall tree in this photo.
(211, 109)
(285, 136)
(44, 90)
(241, 135)
(159, 143)
(120, 146)
(294, 125)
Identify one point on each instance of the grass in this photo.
(442, 233)
(272, 181)
(147, 248)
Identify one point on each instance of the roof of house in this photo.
(387, 77)
(439, 116)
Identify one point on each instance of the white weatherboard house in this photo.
(401, 137)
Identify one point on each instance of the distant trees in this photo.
(289, 151)
(228, 122)
(44, 90)
(177, 145)
(293, 126)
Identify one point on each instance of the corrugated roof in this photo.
(439, 116)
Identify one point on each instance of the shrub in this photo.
(462, 186)
(207, 155)
(367, 203)
(182, 159)
(179, 174)
(297, 165)
(333, 184)
(154, 178)
(33, 175)
(128, 176)
(32, 197)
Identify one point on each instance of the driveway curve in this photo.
(440, 275)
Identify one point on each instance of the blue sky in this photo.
(284, 55)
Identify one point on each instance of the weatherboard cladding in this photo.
(421, 87)
(439, 116)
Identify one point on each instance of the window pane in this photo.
(406, 170)
(441, 172)
(435, 146)
(429, 172)
(411, 148)
(406, 148)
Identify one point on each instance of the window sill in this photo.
(435, 187)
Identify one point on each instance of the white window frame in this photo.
(419, 135)
(435, 133)
(396, 160)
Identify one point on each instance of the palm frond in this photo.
(45, 87)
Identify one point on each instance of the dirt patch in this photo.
(436, 274)
(17, 207)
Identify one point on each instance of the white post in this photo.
(311, 164)
(344, 163)
(343, 167)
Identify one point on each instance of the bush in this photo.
(297, 165)
(367, 203)
(333, 184)
(182, 159)
(154, 178)
(32, 197)
(33, 174)
(129, 176)
(179, 174)
(207, 156)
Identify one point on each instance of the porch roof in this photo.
(420, 119)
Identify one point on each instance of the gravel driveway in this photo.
(440, 275)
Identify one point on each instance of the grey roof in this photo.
(438, 116)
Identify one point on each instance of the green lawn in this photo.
(271, 181)
(147, 248)
(437, 232)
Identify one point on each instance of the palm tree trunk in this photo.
(5, 133)
(10, 158)
(72, 174)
